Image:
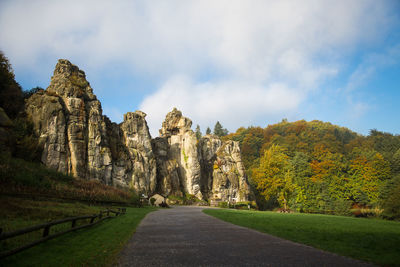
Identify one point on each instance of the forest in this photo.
(318, 167)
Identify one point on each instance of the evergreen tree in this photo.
(219, 130)
(198, 132)
(208, 131)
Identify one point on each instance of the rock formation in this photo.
(181, 143)
(207, 168)
(77, 139)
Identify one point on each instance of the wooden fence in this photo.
(94, 219)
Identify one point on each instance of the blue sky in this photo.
(240, 62)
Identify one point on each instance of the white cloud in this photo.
(265, 56)
(230, 102)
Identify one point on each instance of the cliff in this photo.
(77, 139)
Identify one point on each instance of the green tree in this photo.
(198, 132)
(219, 130)
(27, 94)
(208, 131)
(10, 91)
(368, 173)
(274, 176)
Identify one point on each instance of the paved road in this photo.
(185, 236)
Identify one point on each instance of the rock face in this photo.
(78, 140)
(207, 168)
(181, 144)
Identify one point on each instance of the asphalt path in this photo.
(185, 236)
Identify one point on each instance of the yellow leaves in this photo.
(274, 176)
(368, 171)
(321, 169)
(321, 152)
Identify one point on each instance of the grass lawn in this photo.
(372, 240)
(95, 246)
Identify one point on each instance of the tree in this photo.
(208, 131)
(219, 130)
(274, 176)
(28, 94)
(198, 132)
(10, 91)
(368, 173)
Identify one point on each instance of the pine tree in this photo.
(208, 131)
(198, 132)
(219, 130)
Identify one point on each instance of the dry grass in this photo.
(21, 177)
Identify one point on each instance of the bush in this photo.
(152, 201)
(245, 205)
(186, 199)
(164, 205)
(223, 204)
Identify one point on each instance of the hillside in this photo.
(322, 167)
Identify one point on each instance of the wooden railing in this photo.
(105, 214)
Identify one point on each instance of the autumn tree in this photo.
(274, 176)
(368, 172)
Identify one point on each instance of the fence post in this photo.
(73, 223)
(46, 231)
(92, 219)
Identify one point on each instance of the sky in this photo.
(242, 63)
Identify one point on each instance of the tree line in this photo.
(219, 130)
(319, 167)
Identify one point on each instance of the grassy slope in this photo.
(17, 213)
(21, 177)
(372, 240)
(95, 246)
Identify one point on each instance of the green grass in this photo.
(17, 213)
(95, 246)
(372, 240)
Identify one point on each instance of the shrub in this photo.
(152, 201)
(164, 205)
(245, 205)
(223, 204)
